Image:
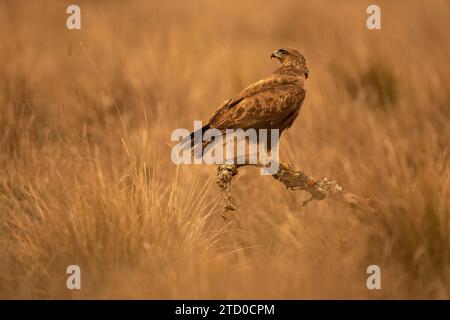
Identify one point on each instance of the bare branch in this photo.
(319, 189)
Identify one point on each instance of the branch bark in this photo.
(319, 189)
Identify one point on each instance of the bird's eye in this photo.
(282, 51)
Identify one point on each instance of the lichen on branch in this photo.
(319, 189)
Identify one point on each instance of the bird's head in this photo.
(291, 59)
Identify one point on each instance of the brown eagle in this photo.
(270, 103)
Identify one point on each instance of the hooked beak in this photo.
(276, 55)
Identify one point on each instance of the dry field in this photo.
(85, 170)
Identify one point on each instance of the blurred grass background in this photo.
(85, 170)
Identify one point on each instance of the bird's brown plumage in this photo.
(271, 103)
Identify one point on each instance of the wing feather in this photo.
(263, 104)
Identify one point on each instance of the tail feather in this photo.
(189, 143)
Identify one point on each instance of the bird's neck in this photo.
(290, 66)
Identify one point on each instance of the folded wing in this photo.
(265, 104)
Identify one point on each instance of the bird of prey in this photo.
(271, 103)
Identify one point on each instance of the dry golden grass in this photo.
(85, 170)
